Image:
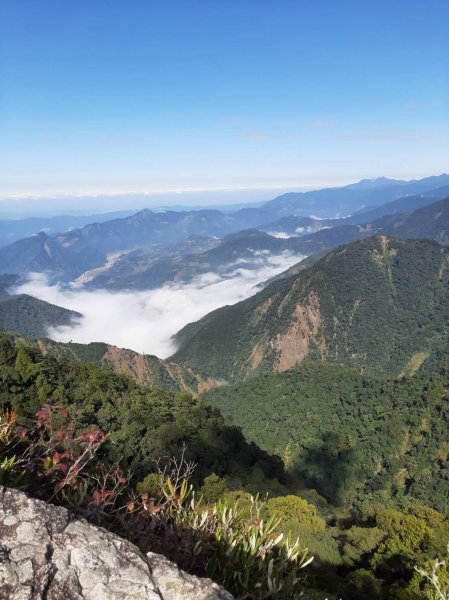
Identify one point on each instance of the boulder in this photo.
(46, 553)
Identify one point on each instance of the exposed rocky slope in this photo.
(47, 554)
(144, 368)
(373, 304)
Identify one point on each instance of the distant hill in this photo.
(378, 304)
(299, 226)
(32, 317)
(7, 281)
(146, 269)
(12, 230)
(25, 315)
(342, 202)
(69, 255)
(401, 205)
(431, 222)
(151, 268)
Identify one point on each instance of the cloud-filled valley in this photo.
(144, 321)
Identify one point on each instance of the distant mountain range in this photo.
(69, 255)
(148, 269)
(16, 229)
(379, 304)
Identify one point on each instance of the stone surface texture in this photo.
(48, 554)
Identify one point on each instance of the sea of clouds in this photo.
(145, 321)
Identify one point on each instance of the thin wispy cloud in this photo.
(255, 136)
(145, 321)
(386, 134)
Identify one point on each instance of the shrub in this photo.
(213, 488)
(295, 509)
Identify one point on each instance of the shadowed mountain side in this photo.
(145, 424)
(352, 437)
(373, 304)
(29, 316)
(25, 315)
(401, 205)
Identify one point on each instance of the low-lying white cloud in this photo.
(145, 321)
(283, 235)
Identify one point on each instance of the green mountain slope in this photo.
(375, 304)
(350, 436)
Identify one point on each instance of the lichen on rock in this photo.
(47, 553)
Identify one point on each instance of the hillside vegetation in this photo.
(354, 438)
(29, 316)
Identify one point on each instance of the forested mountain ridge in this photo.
(145, 424)
(378, 304)
(32, 317)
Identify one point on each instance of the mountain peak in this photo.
(145, 212)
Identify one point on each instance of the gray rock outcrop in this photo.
(48, 554)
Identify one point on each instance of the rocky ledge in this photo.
(48, 554)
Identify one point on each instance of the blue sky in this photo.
(142, 95)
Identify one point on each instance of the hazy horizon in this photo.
(17, 207)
